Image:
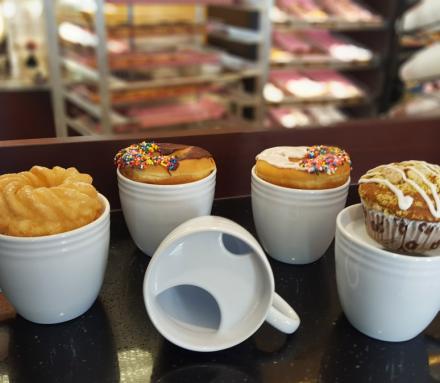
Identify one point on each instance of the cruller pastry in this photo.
(164, 163)
(45, 201)
(304, 167)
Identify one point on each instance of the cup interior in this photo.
(191, 307)
(208, 290)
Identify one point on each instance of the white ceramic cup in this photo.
(384, 295)
(209, 286)
(55, 278)
(152, 211)
(295, 226)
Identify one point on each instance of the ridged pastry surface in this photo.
(304, 167)
(164, 163)
(45, 201)
(409, 189)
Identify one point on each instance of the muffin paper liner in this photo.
(402, 234)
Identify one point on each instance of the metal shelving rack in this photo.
(107, 83)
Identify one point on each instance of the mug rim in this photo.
(211, 227)
(378, 251)
(158, 186)
(105, 213)
(299, 191)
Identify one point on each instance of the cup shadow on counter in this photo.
(176, 365)
(353, 357)
(80, 350)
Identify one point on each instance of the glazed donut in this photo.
(302, 167)
(46, 201)
(164, 164)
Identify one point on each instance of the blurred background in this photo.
(96, 67)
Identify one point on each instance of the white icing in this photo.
(273, 94)
(306, 88)
(405, 202)
(349, 52)
(284, 156)
(294, 118)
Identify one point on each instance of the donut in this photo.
(45, 201)
(164, 163)
(304, 167)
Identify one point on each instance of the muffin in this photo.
(304, 167)
(164, 163)
(402, 206)
(45, 201)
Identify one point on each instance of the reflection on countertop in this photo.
(116, 342)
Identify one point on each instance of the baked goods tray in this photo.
(120, 84)
(324, 61)
(285, 20)
(116, 342)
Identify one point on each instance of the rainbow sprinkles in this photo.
(324, 159)
(144, 154)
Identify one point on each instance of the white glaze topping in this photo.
(284, 156)
(382, 175)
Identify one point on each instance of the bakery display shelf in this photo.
(124, 29)
(220, 78)
(335, 24)
(129, 52)
(325, 61)
(88, 73)
(340, 102)
(173, 2)
(93, 109)
(230, 124)
(243, 99)
(117, 84)
(79, 127)
(236, 35)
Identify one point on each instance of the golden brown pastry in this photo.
(46, 201)
(407, 189)
(401, 203)
(164, 163)
(304, 167)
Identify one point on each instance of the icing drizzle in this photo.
(313, 159)
(144, 154)
(420, 169)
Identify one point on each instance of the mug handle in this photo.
(282, 316)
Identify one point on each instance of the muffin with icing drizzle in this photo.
(164, 163)
(304, 167)
(401, 203)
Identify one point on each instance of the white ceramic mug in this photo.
(55, 278)
(209, 286)
(295, 226)
(152, 211)
(384, 295)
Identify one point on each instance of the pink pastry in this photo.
(291, 42)
(181, 113)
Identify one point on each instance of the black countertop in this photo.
(115, 341)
